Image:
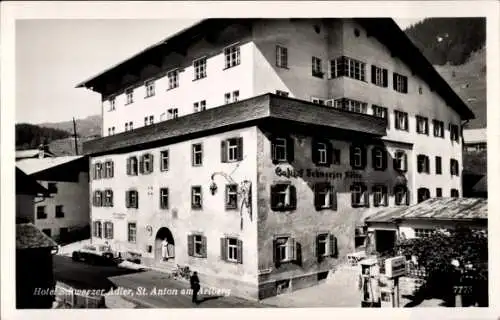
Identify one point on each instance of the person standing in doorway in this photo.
(195, 286)
(164, 249)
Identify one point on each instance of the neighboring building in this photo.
(475, 140)
(27, 189)
(389, 225)
(41, 152)
(67, 207)
(260, 192)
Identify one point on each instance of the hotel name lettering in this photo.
(316, 173)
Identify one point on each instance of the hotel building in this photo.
(255, 145)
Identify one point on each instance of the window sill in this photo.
(201, 78)
(324, 208)
(283, 67)
(231, 208)
(149, 96)
(197, 165)
(285, 209)
(226, 68)
(197, 208)
(129, 103)
(318, 75)
(168, 89)
(362, 205)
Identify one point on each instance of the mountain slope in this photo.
(87, 127)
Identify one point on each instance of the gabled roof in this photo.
(28, 236)
(31, 166)
(245, 113)
(27, 185)
(383, 29)
(458, 209)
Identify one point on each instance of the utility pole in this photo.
(74, 134)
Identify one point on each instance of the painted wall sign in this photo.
(316, 173)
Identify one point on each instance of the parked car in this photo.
(94, 254)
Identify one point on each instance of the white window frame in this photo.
(196, 152)
(231, 192)
(146, 163)
(108, 230)
(319, 101)
(151, 119)
(232, 250)
(200, 68)
(164, 196)
(324, 195)
(236, 95)
(400, 82)
(173, 79)
(112, 104)
(285, 196)
(317, 66)
(281, 57)
(131, 125)
(126, 126)
(284, 247)
(108, 198)
(399, 156)
(379, 159)
(232, 56)
(358, 189)
(438, 128)
(400, 191)
(322, 153)
(129, 93)
(379, 111)
(172, 113)
(132, 232)
(197, 241)
(132, 194)
(379, 194)
(282, 144)
(324, 238)
(150, 88)
(232, 150)
(164, 158)
(227, 97)
(358, 156)
(196, 193)
(422, 125)
(379, 76)
(426, 163)
(422, 232)
(401, 120)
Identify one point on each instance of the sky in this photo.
(53, 56)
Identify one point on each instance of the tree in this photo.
(456, 258)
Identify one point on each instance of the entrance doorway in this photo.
(162, 252)
(385, 240)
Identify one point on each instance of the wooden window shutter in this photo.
(290, 149)
(223, 249)
(129, 169)
(384, 159)
(111, 198)
(333, 198)
(316, 249)
(317, 187)
(240, 148)
(375, 204)
(203, 247)
(405, 162)
(386, 81)
(136, 199)
(293, 197)
(190, 242)
(351, 156)
(314, 151)
(353, 198)
(329, 153)
(111, 230)
(141, 165)
(240, 251)
(93, 199)
(292, 249)
(105, 174)
(366, 195)
(274, 197)
(419, 166)
(333, 246)
(223, 151)
(451, 166)
(395, 163)
(385, 196)
(151, 163)
(273, 151)
(394, 81)
(127, 202)
(112, 169)
(407, 197)
(374, 158)
(276, 259)
(374, 78)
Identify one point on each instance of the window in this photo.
(108, 169)
(108, 230)
(48, 232)
(347, 67)
(172, 113)
(112, 130)
(423, 194)
(197, 246)
(112, 104)
(231, 56)
(359, 195)
(200, 106)
(379, 158)
(380, 196)
(132, 231)
(325, 196)
(283, 197)
(97, 199)
(282, 149)
(380, 112)
(63, 232)
(422, 125)
(281, 57)
(358, 157)
(322, 151)
(227, 98)
(454, 168)
(98, 170)
(108, 198)
(126, 127)
(146, 120)
(52, 187)
(421, 233)
(454, 135)
(97, 229)
(197, 155)
(200, 68)
(231, 196)
(282, 93)
(438, 165)
(401, 195)
(438, 128)
(130, 96)
(454, 193)
(379, 76)
(131, 125)
(326, 245)
(164, 160)
(232, 250)
(423, 164)
(151, 119)
(400, 161)
(400, 83)
(350, 105)
(146, 164)
(318, 101)
(173, 79)
(401, 120)
(439, 192)
(150, 88)
(232, 150)
(284, 249)
(132, 166)
(236, 95)
(323, 154)
(109, 131)
(196, 200)
(163, 198)
(317, 67)
(40, 212)
(132, 199)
